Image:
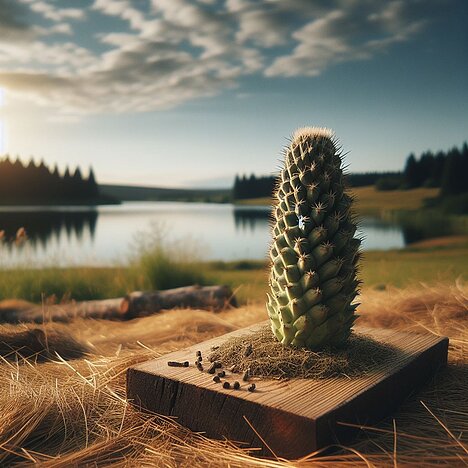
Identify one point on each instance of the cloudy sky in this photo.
(189, 93)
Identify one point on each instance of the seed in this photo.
(198, 354)
(177, 364)
(216, 379)
(212, 369)
(199, 359)
(251, 388)
(217, 365)
(199, 367)
(226, 385)
(186, 364)
(222, 374)
(246, 375)
(248, 350)
(236, 385)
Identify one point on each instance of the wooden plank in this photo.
(293, 417)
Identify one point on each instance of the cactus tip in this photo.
(312, 132)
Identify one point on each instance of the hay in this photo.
(62, 414)
(39, 343)
(262, 355)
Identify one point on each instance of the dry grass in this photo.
(372, 202)
(65, 413)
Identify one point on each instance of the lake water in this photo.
(105, 235)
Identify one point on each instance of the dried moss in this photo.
(263, 356)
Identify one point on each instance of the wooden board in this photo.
(293, 417)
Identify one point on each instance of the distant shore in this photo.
(51, 203)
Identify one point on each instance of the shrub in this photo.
(165, 264)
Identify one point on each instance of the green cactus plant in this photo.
(314, 253)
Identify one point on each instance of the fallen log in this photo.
(105, 309)
(140, 304)
(136, 304)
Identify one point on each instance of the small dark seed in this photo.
(218, 365)
(216, 379)
(246, 375)
(226, 385)
(222, 374)
(199, 359)
(248, 350)
(251, 388)
(212, 369)
(198, 354)
(236, 385)
(186, 364)
(199, 367)
(176, 364)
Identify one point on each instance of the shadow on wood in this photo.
(289, 417)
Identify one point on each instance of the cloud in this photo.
(12, 24)
(163, 53)
(53, 13)
(344, 35)
(122, 9)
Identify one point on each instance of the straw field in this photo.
(67, 405)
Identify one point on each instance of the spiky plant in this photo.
(314, 253)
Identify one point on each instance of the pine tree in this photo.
(411, 171)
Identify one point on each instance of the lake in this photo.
(105, 235)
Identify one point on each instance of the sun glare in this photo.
(2, 138)
(2, 125)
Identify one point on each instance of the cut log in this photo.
(105, 309)
(136, 304)
(140, 304)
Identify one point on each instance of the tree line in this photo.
(37, 183)
(264, 186)
(253, 187)
(445, 169)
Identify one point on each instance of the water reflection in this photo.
(73, 235)
(251, 217)
(420, 225)
(43, 226)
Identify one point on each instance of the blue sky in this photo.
(189, 93)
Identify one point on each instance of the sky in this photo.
(181, 93)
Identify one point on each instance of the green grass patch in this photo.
(162, 266)
(80, 283)
(248, 279)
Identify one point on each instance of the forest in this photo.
(37, 184)
(446, 170)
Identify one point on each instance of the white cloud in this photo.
(56, 14)
(178, 50)
(52, 12)
(344, 35)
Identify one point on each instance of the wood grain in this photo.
(292, 417)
